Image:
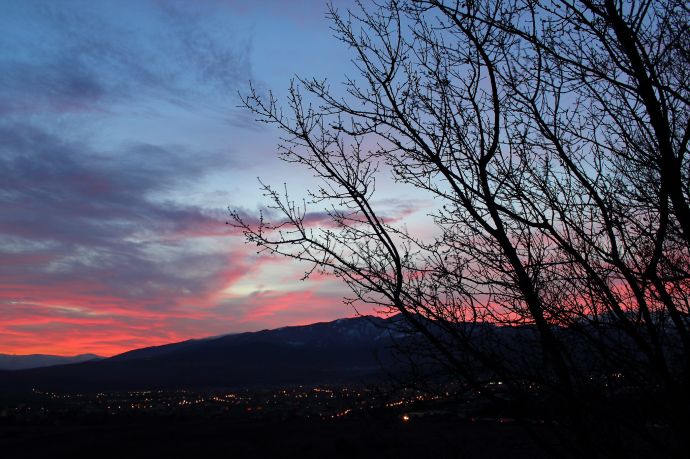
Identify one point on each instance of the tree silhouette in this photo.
(554, 138)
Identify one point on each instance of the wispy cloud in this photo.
(103, 57)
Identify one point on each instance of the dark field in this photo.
(300, 438)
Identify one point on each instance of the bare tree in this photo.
(554, 136)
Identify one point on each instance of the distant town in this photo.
(309, 402)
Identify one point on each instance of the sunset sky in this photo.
(121, 147)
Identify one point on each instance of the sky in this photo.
(122, 144)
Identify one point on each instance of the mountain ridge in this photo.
(345, 350)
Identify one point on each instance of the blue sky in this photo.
(121, 147)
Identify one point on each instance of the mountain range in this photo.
(345, 350)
